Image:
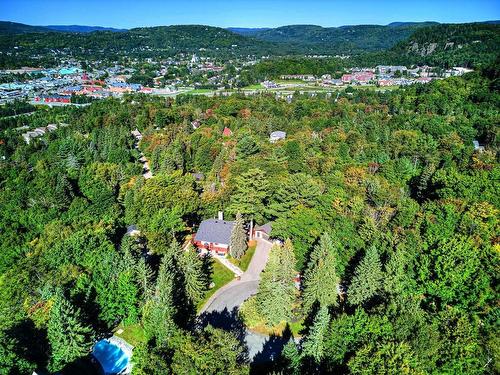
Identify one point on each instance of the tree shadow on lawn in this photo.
(268, 359)
(228, 321)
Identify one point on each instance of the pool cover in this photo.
(111, 358)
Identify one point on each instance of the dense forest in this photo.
(383, 204)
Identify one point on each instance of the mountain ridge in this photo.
(17, 27)
(468, 44)
(82, 28)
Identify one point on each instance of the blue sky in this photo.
(244, 13)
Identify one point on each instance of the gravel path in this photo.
(146, 170)
(233, 268)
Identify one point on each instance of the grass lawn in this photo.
(253, 87)
(290, 81)
(245, 259)
(255, 322)
(200, 91)
(133, 334)
(295, 328)
(220, 277)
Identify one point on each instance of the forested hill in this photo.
(7, 27)
(344, 39)
(408, 43)
(82, 29)
(154, 42)
(453, 44)
(194, 37)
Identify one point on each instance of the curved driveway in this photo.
(236, 292)
(224, 303)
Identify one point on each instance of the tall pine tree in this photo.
(238, 244)
(320, 278)
(251, 195)
(314, 345)
(143, 275)
(368, 277)
(276, 292)
(159, 311)
(69, 338)
(290, 358)
(195, 280)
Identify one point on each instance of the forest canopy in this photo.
(385, 186)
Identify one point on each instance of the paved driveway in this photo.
(237, 291)
(259, 260)
(221, 310)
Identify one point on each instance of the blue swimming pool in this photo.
(111, 358)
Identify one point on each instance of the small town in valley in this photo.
(69, 84)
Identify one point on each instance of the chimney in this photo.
(221, 215)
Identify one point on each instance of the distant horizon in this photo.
(128, 14)
(247, 27)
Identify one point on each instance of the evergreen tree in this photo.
(276, 292)
(143, 275)
(238, 244)
(126, 293)
(69, 338)
(194, 278)
(368, 277)
(13, 357)
(159, 310)
(295, 156)
(175, 158)
(291, 358)
(320, 278)
(423, 181)
(314, 345)
(117, 289)
(246, 146)
(251, 194)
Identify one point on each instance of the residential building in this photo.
(214, 235)
(277, 136)
(303, 77)
(263, 231)
(53, 99)
(477, 146)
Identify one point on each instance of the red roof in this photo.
(227, 132)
